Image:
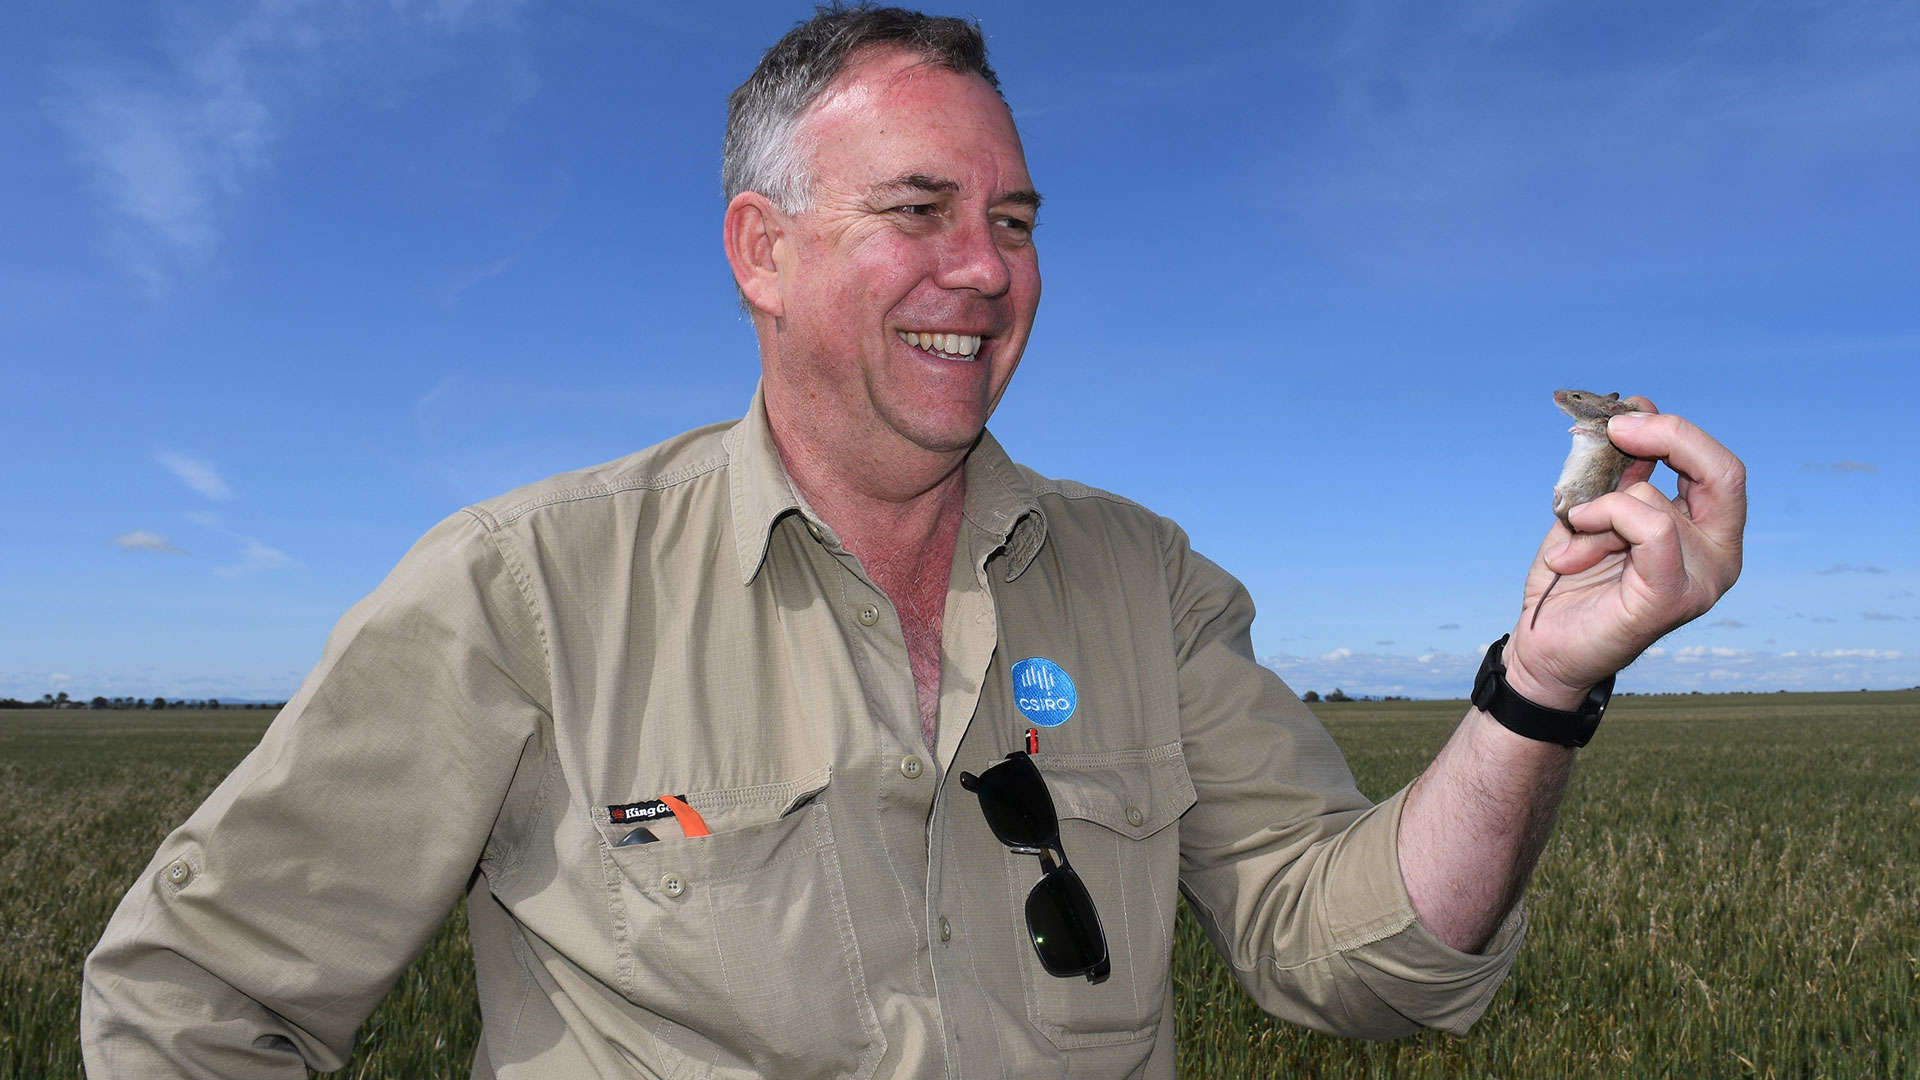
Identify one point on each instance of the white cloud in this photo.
(254, 558)
(1660, 669)
(145, 540)
(196, 474)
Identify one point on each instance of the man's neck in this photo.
(903, 529)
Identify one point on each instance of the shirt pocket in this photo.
(742, 940)
(1114, 810)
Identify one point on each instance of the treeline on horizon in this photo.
(62, 701)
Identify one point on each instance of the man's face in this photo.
(913, 280)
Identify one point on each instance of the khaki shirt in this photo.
(679, 622)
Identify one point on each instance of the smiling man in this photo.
(892, 299)
(830, 742)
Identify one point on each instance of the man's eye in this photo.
(1016, 225)
(916, 209)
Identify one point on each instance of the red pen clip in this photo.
(1033, 740)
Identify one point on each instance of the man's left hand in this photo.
(1639, 566)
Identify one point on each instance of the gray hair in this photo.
(761, 153)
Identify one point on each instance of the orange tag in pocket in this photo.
(690, 821)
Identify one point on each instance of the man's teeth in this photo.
(944, 344)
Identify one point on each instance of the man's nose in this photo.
(971, 259)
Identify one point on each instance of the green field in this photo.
(1730, 892)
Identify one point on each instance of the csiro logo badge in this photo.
(1043, 693)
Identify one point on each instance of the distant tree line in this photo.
(62, 701)
(1313, 696)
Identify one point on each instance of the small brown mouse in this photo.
(1594, 464)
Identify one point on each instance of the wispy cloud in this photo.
(474, 275)
(1882, 616)
(171, 138)
(1849, 568)
(144, 540)
(1839, 467)
(196, 474)
(167, 149)
(255, 557)
(1731, 624)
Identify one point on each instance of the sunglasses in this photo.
(1060, 917)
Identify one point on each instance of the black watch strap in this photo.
(1492, 695)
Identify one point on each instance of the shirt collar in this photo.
(1001, 503)
(758, 485)
(999, 500)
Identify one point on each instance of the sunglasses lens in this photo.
(1065, 927)
(1016, 804)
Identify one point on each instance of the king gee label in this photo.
(1042, 691)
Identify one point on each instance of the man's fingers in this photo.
(1642, 468)
(1655, 531)
(1713, 481)
(1582, 551)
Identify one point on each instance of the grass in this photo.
(1729, 893)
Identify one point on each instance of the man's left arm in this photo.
(1641, 565)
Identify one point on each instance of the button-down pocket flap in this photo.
(700, 862)
(728, 809)
(1136, 793)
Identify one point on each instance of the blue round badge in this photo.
(1042, 692)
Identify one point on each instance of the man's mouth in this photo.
(944, 346)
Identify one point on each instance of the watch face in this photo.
(1598, 697)
(1483, 687)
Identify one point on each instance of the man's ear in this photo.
(753, 229)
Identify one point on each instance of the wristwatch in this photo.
(1492, 695)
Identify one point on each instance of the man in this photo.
(695, 730)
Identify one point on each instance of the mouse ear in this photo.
(1615, 396)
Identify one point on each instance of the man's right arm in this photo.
(270, 925)
(1290, 870)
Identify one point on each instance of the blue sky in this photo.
(283, 283)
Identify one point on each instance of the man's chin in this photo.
(953, 442)
(942, 433)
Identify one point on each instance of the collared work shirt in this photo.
(679, 622)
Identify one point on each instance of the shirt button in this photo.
(910, 767)
(869, 614)
(179, 873)
(673, 885)
(946, 931)
(1135, 818)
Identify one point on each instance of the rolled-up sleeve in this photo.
(1291, 871)
(270, 924)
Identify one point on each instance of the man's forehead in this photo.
(879, 73)
(890, 100)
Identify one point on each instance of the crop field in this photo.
(1730, 892)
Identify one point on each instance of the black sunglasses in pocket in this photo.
(1061, 918)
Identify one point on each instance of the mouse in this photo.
(1593, 466)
